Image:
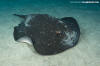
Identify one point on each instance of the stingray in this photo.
(47, 34)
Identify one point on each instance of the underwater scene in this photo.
(49, 33)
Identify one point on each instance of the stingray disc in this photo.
(48, 35)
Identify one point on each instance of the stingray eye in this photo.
(58, 32)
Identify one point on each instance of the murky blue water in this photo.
(76, 4)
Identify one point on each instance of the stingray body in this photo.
(48, 35)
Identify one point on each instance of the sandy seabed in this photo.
(86, 53)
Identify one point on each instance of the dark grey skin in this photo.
(49, 35)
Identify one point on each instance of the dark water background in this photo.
(8, 4)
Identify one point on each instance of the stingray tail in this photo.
(22, 16)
